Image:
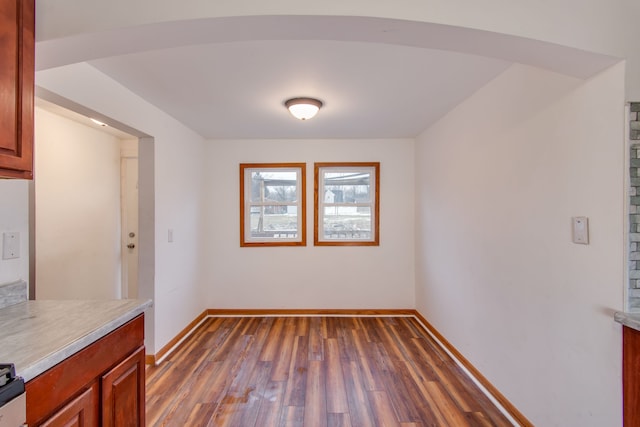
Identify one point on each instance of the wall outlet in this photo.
(10, 245)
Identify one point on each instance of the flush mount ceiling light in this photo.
(303, 108)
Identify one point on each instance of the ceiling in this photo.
(237, 90)
(228, 78)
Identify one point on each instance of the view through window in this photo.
(272, 204)
(346, 204)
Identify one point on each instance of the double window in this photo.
(273, 208)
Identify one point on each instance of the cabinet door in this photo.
(631, 376)
(81, 411)
(123, 393)
(17, 48)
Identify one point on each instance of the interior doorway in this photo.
(145, 186)
(84, 213)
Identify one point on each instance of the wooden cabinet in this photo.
(81, 411)
(631, 376)
(123, 393)
(17, 47)
(102, 385)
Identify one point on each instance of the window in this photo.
(272, 204)
(347, 204)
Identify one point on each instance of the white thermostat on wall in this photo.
(580, 230)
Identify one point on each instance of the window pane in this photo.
(274, 221)
(348, 204)
(347, 222)
(272, 204)
(340, 187)
(268, 186)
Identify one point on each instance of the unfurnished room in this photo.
(392, 213)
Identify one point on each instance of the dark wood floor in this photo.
(313, 371)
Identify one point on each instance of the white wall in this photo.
(310, 277)
(78, 254)
(14, 217)
(498, 180)
(179, 185)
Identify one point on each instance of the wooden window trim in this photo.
(317, 203)
(303, 204)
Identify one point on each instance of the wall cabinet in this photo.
(17, 47)
(102, 385)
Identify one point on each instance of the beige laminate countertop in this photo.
(37, 335)
(631, 320)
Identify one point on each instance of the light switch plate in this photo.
(580, 230)
(10, 245)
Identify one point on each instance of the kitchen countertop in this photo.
(631, 320)
(37, 335)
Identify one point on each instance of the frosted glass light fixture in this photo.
(303, 108)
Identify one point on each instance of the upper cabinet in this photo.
(17, 70)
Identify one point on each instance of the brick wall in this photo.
(634, 208)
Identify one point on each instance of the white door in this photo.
(129, 227)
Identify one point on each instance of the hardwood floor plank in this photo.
(420, 399)
(339, 420)
(246, 413)
(370, 327)
(359, 407)
(292, 416)
(302, 327)
(447, 407)
(297, 379)
(393, 346)
(346, 343)
(383, 409)
(282, 358)
(271, 405)
(420, 408)
(200, 414)
(335, 390)
(313, 371)
(315, 405)
(365, 350)
(316, 349)
(478, 419)
(460, 387)
(394, 386)
(273, 340)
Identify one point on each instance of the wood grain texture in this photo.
(17, 77)
(123, 392)
(309, 312)
(631, 376)
(313, 371)
(60, 383)
(150, 359)
(512, 410)
(81, 411)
